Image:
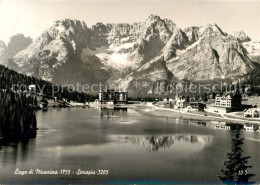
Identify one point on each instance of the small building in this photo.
(167, 99)
(249, 128)
(32, 88)
(222, 127)
(229, 100)
(229, 103)
(253, 113)
(198, 106)
(112, 96)
(43, 103)
(96, 101)
(180, 102)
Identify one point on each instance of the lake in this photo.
(129, 145)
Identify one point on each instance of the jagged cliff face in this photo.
(57, 55)
(192, 33)
(253, 49)
(17, 43)
(153, 50)
(212, 56)
(252, 46)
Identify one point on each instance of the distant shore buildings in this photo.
(112, 96)
(180, 102)
(229, 102)
(249, 128)
(198, 106)
(252, 112)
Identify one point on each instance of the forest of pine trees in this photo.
(18, 119)
(253, 78)
(10, 77)
(17, 109)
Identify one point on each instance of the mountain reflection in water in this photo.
(130, 144)
(154, 143)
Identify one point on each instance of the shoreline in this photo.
(152, 110)
(164, 112)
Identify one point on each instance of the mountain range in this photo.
(70, 52)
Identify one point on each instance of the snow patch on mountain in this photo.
(97, 50)
(120, 47)
(126, 39)
(118, 61)
(112, 56)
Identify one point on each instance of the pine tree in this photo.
(236, 168)
(205, 98)
(35, 101)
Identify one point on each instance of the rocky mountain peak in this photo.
(67, 33)
(241, 36)
(211, 29)
(171, 25)
(71, 23)
(16, 44)
(155, 49)
(153, 17)
(155, 20)
(154, 24)
(100, 28)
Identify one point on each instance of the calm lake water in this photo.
(131, 145)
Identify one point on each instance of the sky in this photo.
(32, 17)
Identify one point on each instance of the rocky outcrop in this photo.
(192, 33)
(16, 44)
(253, 49)
(211, 53)
(241, 36)
(215, 56)
(156, 33)
(178, 40)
